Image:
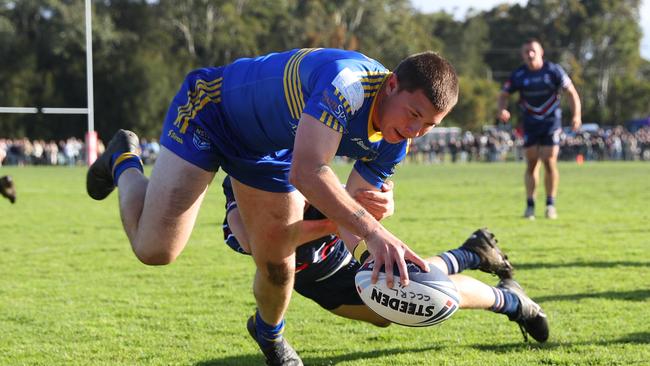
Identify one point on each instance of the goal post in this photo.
(89, 111)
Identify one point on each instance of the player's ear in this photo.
(392, 84)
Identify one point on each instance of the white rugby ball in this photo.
(430, 298)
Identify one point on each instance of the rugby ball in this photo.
(430, 298)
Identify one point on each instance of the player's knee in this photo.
(154, 256)
(279, 274)
(155, 259)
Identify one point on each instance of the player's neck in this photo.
(535, 65)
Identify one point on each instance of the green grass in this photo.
(72, 293)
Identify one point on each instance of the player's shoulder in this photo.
(554, 67)
(520, 71)
(352, 75)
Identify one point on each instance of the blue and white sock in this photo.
(505, 303)
(267, 334)
(458, 260)
(550, 201)
(530, 202)
(123, 161)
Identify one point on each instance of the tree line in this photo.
(143, 49)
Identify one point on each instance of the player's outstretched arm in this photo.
(315, 146)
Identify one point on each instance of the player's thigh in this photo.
(362, 313)
(549, 153)
(531, 153)
(174, 194)
(270, 219)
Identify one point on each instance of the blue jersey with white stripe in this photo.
(539, 94)
(263, 99)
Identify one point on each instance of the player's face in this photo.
(402, 115)
(532, 53)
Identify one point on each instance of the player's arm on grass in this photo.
(315, 146)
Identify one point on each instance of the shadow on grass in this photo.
(256, 359)
(521, 266)
(632, 338)
(636, 295)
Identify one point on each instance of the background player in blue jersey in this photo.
(274, 124)
(539, 83)
(325, 269)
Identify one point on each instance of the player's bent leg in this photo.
(493, 260)
(158, 214)
(474, 294)
(362, 313)
(479, 251)
(271, 221)
(529, 315)
(276, 353)
(100, 182)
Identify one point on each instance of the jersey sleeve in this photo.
(510, 86)
(561, 76)
(338, 95)
(376, 171)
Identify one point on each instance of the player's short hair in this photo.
(431, 73)
(533, 40)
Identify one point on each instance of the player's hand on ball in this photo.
(387, 250)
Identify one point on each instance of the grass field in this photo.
(72, 293)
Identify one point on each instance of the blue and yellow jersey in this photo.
(539, 92)
(260, 101)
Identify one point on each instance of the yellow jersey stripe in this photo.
(292, 95)
(204, 93)
(193, 103)
(300, 98)
(373, 135)
(288, 86)
(372, 87)
(285, 82)
(292, 84)
(335, 125)
(323, 116)
(196, 99)
(206, 88)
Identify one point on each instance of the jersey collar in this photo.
(374, 135)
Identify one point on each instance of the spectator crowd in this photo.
(71, 151)
(442, 145)
(494, 145)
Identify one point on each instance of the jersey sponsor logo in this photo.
(172, 134)
(337, 109)
(350, 87)
(201, 140)
(361, 143)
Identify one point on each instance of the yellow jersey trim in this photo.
(374, 135)
(292, 84)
